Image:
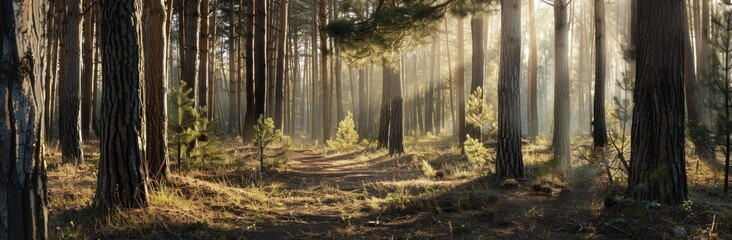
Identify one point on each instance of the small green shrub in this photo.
(475, 151)
(479, 113)
(269, 142)
(346, 137)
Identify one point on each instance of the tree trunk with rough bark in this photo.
(260, 60)
(396, 130)
(657, 166)
(560, 143)
(122, 177)
(203, 55)
(69, 84)
(385, 106)
(279, 103)
(155, 55)
(509, 161)
(324, 55)
(23, 211)
(87, 73)
(476, 27)
(599, 129)
(189, 67)
(533, 75)
(460, 86)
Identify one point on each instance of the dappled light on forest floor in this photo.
(317, 193)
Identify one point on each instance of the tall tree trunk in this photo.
(363, 104)
(260, 61)
(87, 72)
(234, 84)
(509, 162)
(23, 189)
(281, 67)
(69, 84)
(203, 56)
(189, 67)
(699, 130)
(533, 74)
(156, 77)
(396, 130)
(212, 102)
(657, 166)
(327, 92)
(460, 85)
(560, 142)
(385, 106)
(599, 131)
(476, 27)
(122, 174)
(49, 93)
(429, 110)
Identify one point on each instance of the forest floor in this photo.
(366, 194)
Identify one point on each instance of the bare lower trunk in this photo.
(560, 142)
(599, 131)
(122, 174)
(69, 84)
(657, 166)
(156, 71)
(509, 162)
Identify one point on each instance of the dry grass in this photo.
(366, 194)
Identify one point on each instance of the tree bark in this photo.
(560, 143)
(281, 67)
(396, 130)
(385, 106)
(657, 166)
(234, 84)
(509, 162)
(533, 75)
(599, 129)
(122, 174)
(87, 72)
(260, 61)
(327, 92)
(155, 55)
(699, 130)
(460, 85)
(362, 103)
(69, 84)
(189, 69)
(203, 56)
(23, 209)
(476, 27)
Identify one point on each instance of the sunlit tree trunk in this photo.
(460, 85)
(327, 92)
(156, 71)
(533, 74)
(362, 103)
(69, 84)
(279, 103)
(429, 110)
(260, 60)
(122, 178)
(234, 116)
(476, 27)
(509, 162)
(657, 166)
(698, 129)
(23, 209)
(87, 72)
(560, 142)
(599, 131)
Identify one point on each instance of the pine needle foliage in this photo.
(479, 113)
(346, 137)
(269, 142)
